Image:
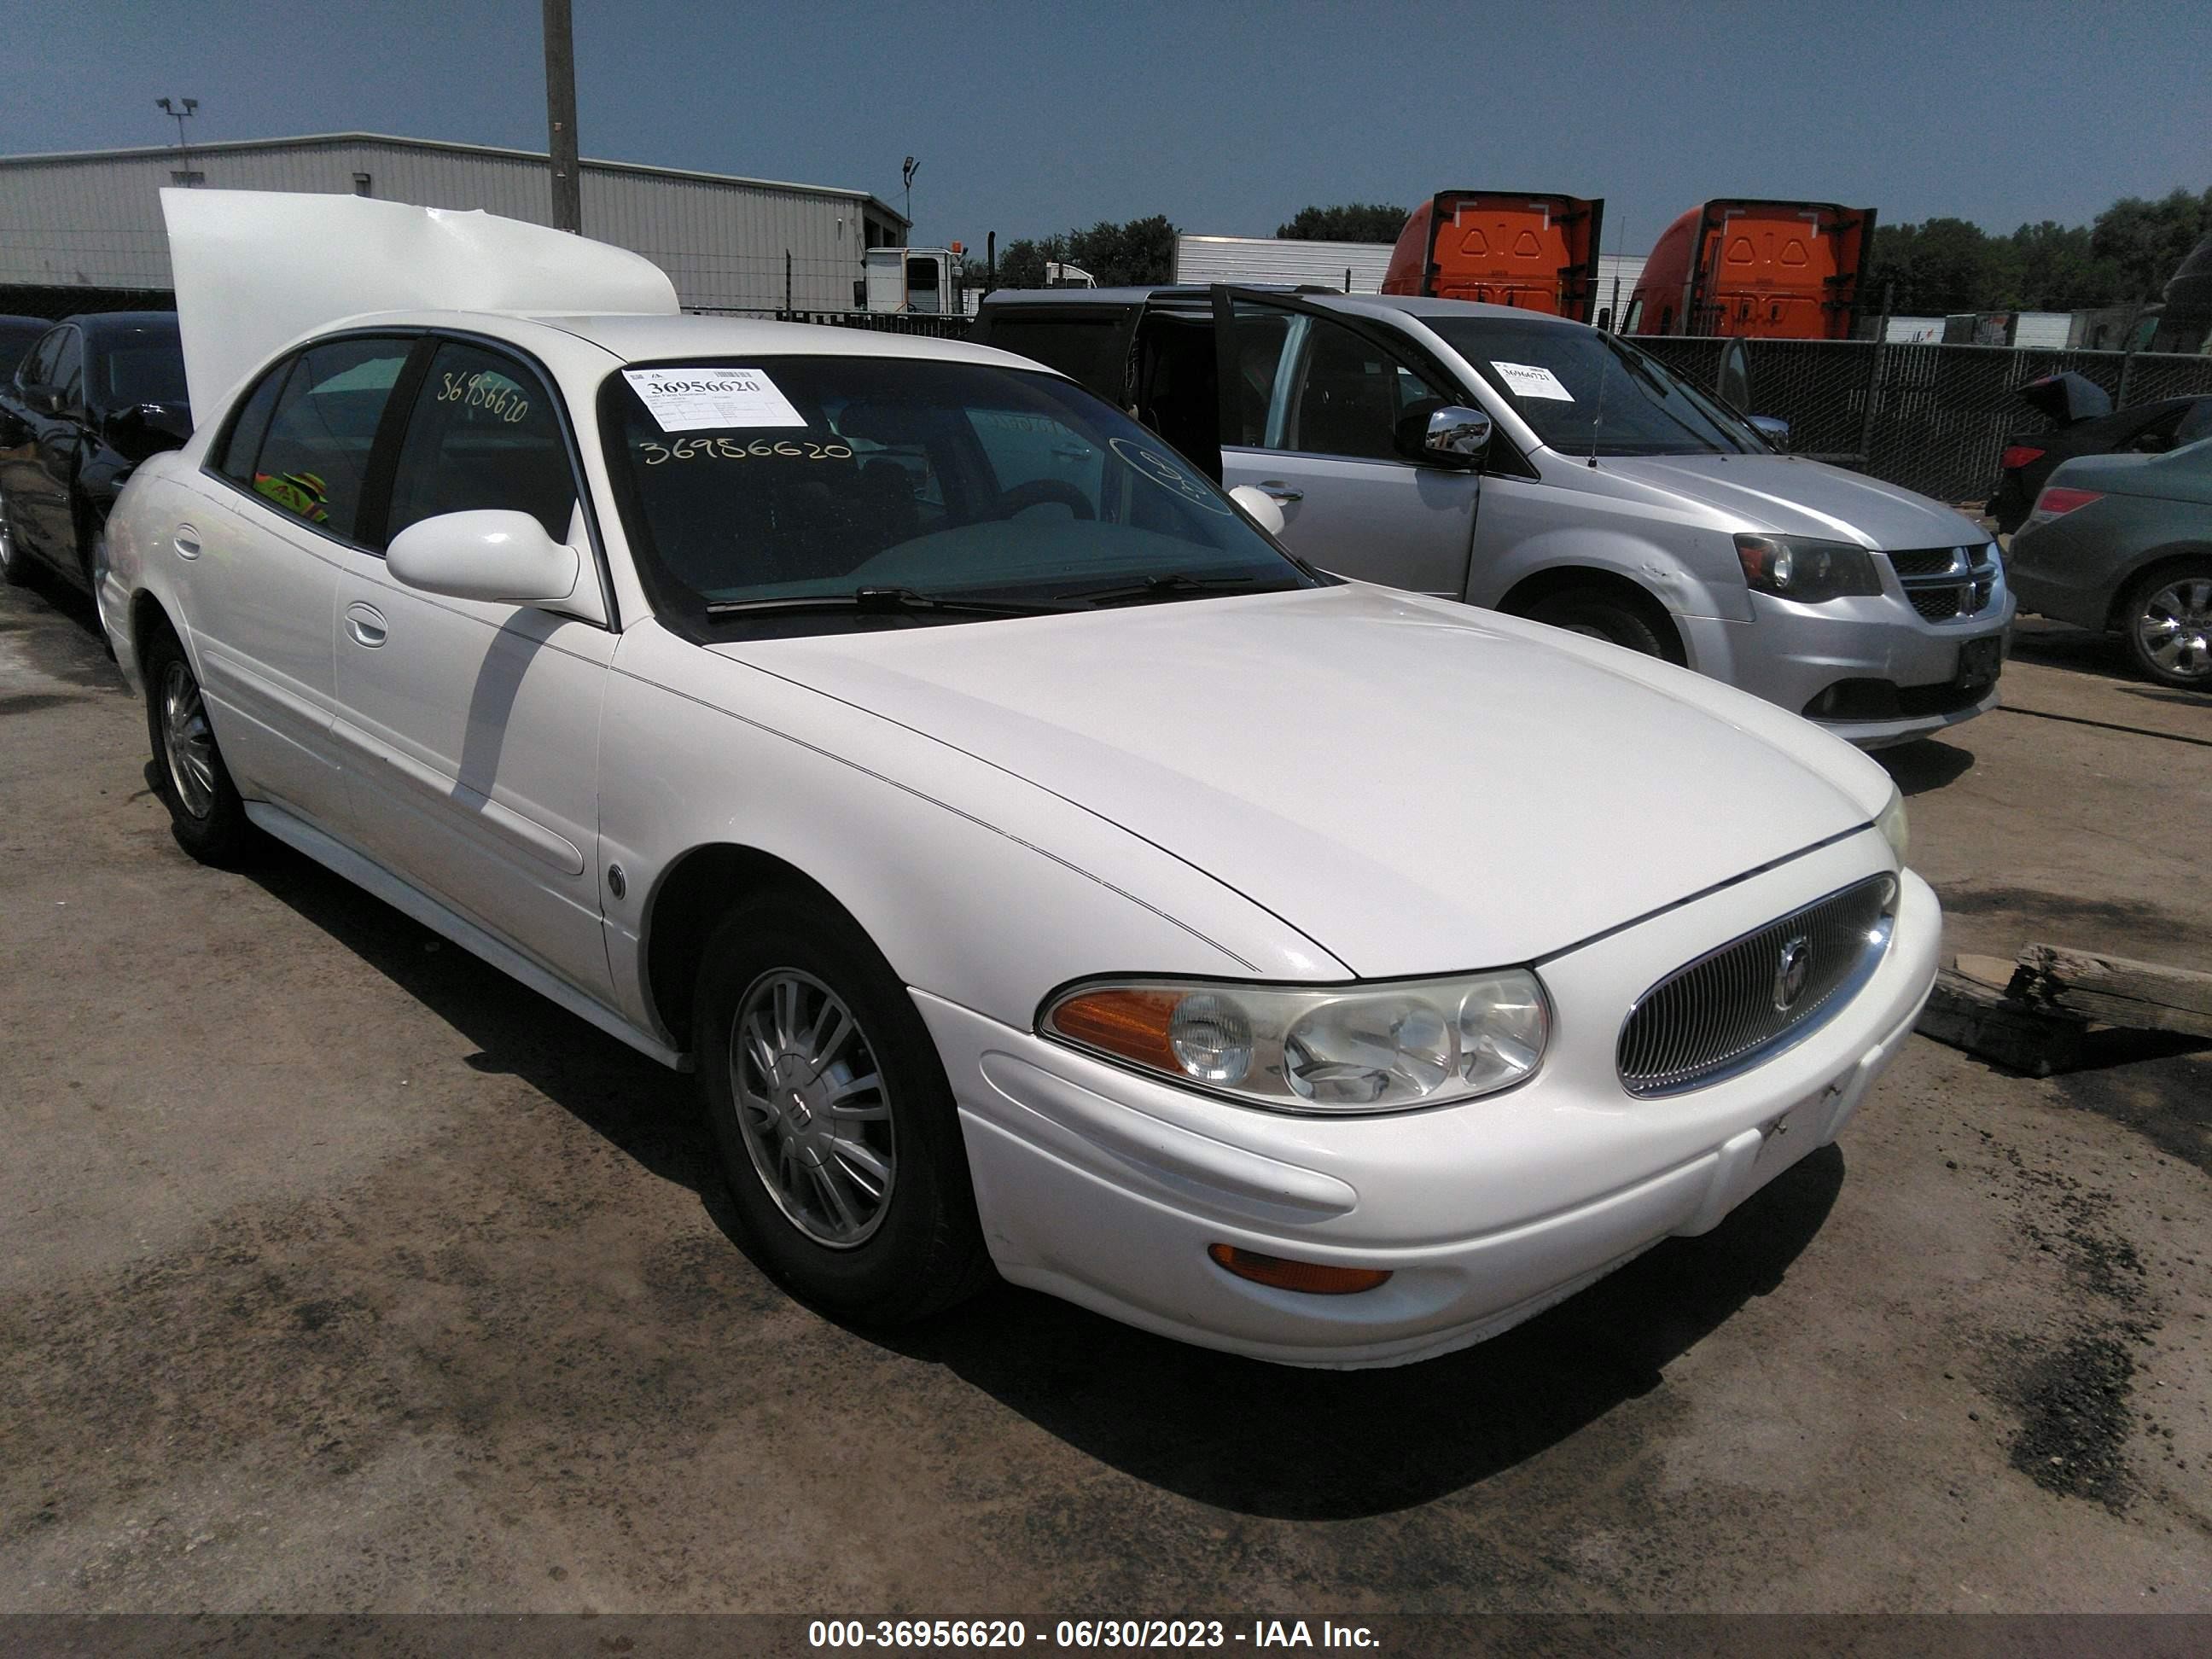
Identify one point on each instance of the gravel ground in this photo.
(339, 1273)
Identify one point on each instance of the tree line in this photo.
(2123, 257)
(1935, 266)
(1142, 251)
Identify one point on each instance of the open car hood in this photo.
(255, 270)
(1417, 786)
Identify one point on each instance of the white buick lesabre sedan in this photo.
(1042, 871)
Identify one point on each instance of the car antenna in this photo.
(1597, 419)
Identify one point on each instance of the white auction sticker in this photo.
(1532, 380)
(695, 399)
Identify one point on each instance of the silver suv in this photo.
(1542, 467)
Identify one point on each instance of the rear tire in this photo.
(1600, 615)
(205, 813)
(2166, 619)
(842, 1149)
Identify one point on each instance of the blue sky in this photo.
(1227, 118)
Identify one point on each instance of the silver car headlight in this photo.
(1380, 1048)
(1893, 828)
(1808, 570)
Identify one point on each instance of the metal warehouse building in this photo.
(92, 219)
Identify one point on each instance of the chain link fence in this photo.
(1933, 418)
(881, 322)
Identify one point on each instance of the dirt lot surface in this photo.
(337, 1272)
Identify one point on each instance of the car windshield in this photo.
(1583, 390)
(762, 484)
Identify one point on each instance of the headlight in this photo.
(1337, 1049)
(1798, 567)
(1892, 826)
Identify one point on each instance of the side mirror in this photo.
(1265, 510)
(499, 556)
(46, 399)
(1776, 431)
(1449, 435)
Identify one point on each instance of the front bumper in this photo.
(1106, 1187)
(1791, 654)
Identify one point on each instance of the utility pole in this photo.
(561, 117)
(906, 178)
(177, 110)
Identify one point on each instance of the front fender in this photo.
(1685, 579)
(932, 851)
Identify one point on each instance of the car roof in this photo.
(117, 322)
(1192, 296)
(642, 337)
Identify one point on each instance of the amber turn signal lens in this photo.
(1130, 1024)
(1310, 1277)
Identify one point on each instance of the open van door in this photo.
(1316, 409)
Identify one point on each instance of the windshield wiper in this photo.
(894, 601)
(1177, 585)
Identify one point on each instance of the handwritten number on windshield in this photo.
(731, 449)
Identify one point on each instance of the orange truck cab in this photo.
(1784, 271)
(1539, 252)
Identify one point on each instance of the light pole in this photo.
(906, 178)
(561, 117)
(177, 110)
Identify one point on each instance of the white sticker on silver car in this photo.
(1532, 380)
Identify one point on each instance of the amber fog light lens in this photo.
(1312, 1278)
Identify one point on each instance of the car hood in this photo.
(1788, 496)
(1416, 786)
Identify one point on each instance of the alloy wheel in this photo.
(2174, 628)
(813, 1108)
(187, 741)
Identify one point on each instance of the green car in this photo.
(2124, 543)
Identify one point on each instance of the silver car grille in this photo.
(1942, 583)
(1741, 1005)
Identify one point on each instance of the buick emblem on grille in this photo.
(1791, 972)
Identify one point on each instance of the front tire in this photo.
(2167, 620)
(205, 813)
(837, 1132)
(1598, 615)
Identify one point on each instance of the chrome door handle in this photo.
(366, 623)
(1276, 490)
(186, 541)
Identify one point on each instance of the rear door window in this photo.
(484, 432)
(314, 461)
(243, 447)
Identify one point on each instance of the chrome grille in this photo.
(1943, 583)
(1724, 1012)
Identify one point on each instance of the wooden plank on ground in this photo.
(1964, 1012)
(2143, 996)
